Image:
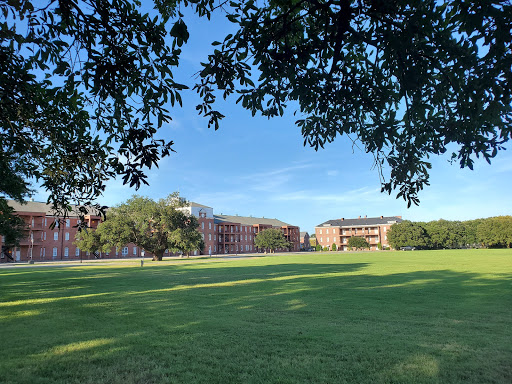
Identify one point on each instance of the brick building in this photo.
(43, 243)
(221, 234)
(338, 231)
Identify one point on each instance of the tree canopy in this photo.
(154, 226)
(440, 234)
(85, 85)
(358, 242)
(405, 79)
(272, 239)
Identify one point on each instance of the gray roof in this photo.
(366, 221)
(192, 204)
(36, 206)
(244, 220)
(302, 234)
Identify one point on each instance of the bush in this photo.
(326, 248)
(318, 247)
(379, 246)
(333, 247)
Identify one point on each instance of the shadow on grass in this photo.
(265, 323)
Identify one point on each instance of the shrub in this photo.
(333, 247)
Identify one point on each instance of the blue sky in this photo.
(259, 167)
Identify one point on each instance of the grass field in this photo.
(388, 317)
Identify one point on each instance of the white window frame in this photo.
(54, 252)
(124, 251)
(66, 252)
(55, 236)
(77, 252)
(66, 236)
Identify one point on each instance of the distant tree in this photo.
(152, 225)
(445, 234)
(470, 232)
(90, 240)
(379, 245)
(496, 231)
(408, 234)
(358, 242)
(333, 247)
(271, 239)
(313, 236)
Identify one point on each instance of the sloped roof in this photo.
(302, 234)
(36, 206)
(192, 204)
(244, 220)
(366, 221)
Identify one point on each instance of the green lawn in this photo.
(388, 317)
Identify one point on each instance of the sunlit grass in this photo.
(388, 317)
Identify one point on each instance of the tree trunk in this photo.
(158, 257)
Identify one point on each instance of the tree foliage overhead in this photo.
(154, 226)
(271, 238)
(404, 78)
(84, 86)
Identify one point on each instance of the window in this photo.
(320, 231)
(214, 237)
(210, 236)
(326, 231)
(333, 231)
(135, 251)
(250, 237)
(327, 240)
(45, 222)
(321, 239)
(66, 252)
(55, 235)
(42, 235)
(210, 225)
(215, 227)
(68, 223)
(57, 223)
(214, 248)
(202, 225)
(77, 252)
(32, 222)
(54, 254)
(245, 237)
(124, 252)
(67, 236)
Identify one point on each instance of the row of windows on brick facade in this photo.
(355, 230)
(345, 240)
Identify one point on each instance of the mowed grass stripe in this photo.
(387, 317)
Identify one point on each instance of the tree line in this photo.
(492, 232)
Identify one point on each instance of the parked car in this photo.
(408, 248)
